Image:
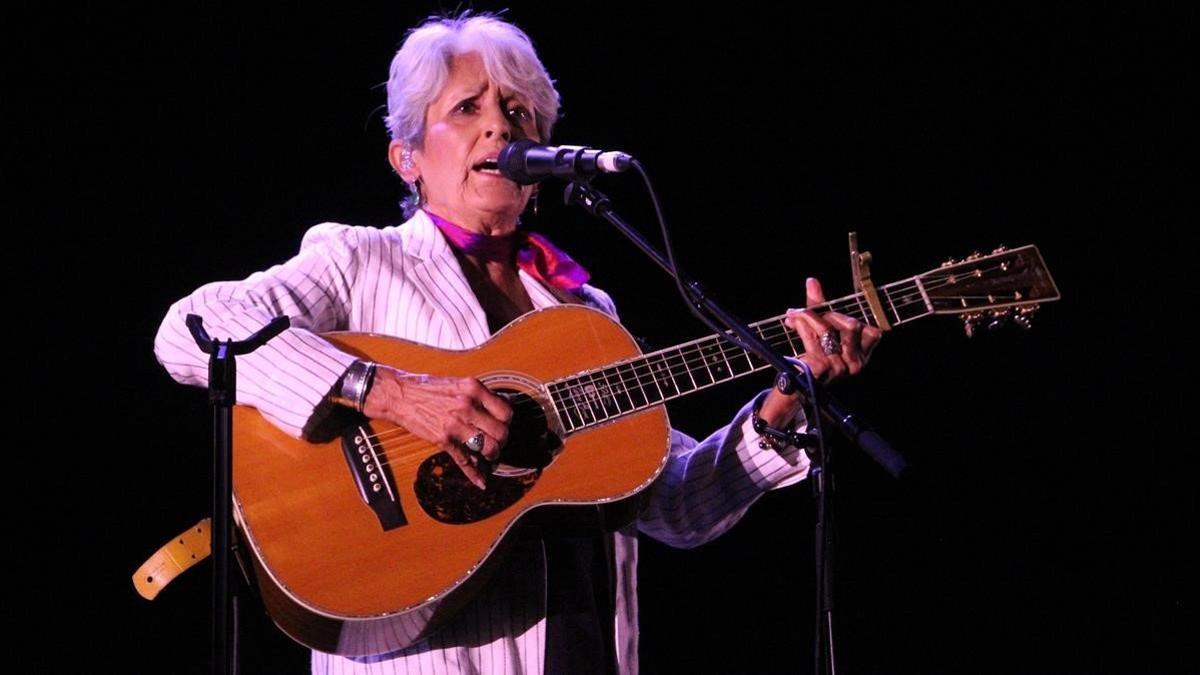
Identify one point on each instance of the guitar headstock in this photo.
(991, 290)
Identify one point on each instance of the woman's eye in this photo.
(519, 113)
(465, 106)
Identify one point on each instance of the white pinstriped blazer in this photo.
(405, 281)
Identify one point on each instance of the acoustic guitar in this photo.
(367, 539)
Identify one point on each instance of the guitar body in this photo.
(366, 542)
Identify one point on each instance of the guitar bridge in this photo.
(374, 479)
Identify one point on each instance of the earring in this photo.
(415, 187)
(535, 202)
(406, 163)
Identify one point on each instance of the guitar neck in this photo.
(597, 396)
(981, 289)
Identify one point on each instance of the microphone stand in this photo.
(787, 381)
(222, 394)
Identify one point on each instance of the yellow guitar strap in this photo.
(176, 556)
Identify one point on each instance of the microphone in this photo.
(527, 162)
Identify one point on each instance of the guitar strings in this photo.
(627, 373)
(774, 328)
(596, 411)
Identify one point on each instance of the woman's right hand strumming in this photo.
(446, 411)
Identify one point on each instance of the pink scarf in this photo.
(535, 254)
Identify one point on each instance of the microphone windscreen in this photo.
(511, 161)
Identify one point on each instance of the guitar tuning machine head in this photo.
(971, 322)
(1000, 249)
(1023, 316)
(997, 318)
(951, 262)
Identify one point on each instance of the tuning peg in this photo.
(975, 255)
(1000, 249)
(1024, 316)
(951, 262)
(997, 319)
(971, 322)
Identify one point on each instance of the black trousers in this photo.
(579, 607)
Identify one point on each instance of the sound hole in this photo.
(444, 492)
(531, 444)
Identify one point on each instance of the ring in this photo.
(831, 343)
(474, 443)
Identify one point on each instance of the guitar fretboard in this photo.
(597, 396)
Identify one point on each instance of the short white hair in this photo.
(422, 65)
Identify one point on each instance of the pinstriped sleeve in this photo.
(287, 378)
(708, 485)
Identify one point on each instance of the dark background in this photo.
(171, 147)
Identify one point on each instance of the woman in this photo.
(458, 270)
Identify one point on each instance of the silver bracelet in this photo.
(355, 385)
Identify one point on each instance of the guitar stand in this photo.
(222, 394)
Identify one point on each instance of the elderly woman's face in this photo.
(470, 122)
